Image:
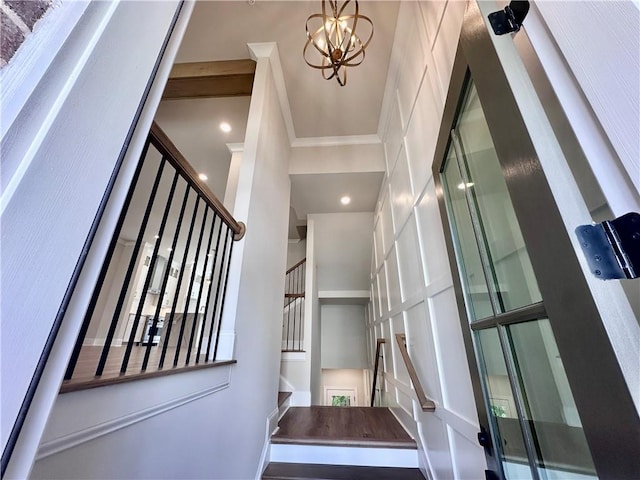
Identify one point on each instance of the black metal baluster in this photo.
(218, 285)
(105, 265)
(204, 275)
(298, 305)
(129, 274)
(289, 298)
(304, 301)
(224, 291)
(179, 284)
(188, 300)
(300, 278)
(294, 274)
(165, 276)
(208, 302)
(149, 277)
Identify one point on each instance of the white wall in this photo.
(347, 379)
(203, 418)
(343, 336)
(411, 284)
(296, 251)
(63, 162)
(343, 248)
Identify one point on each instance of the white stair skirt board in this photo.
(358, 456)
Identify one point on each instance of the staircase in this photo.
(342, 443)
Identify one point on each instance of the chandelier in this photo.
(334, 41)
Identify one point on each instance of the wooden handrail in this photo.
(426, 404)
(296, 266)
(379, 343)
(161, 141)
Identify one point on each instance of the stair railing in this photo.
(379, 355)
(426, 404)
(293, 325)
(146, 295)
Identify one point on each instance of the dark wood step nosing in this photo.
(305, 471)
(344, 442)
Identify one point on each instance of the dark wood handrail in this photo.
(166, 147)
(379, 343)
(426, 404)
(296, 266)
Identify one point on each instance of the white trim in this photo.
(52, 114)
(46, 395)
(272, 426)
(13, 16)
(330, 455)
(293, 357)
(607, 167)
(270, 49)
(354, 395)
(371, 139)
(74, 439)
(457, 422)
(226, 345)
(334, 294)
(23, 72)
(235, 147)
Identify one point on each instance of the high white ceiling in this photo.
(319, 108)
(221, 30)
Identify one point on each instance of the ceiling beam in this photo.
(228, 78)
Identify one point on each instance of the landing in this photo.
(353, 426)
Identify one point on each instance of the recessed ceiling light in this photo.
(203, 177)
(156, 236)
(225, 127)
(462, 186)
(346, 200)
(169, 249)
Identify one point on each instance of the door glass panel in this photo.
(469, 263)
(511, 271)
(561, 447)
(502, 406)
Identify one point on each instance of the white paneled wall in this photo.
(411, 283)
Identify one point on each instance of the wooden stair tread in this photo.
(345, 426)
(306, 471)
(345, 442)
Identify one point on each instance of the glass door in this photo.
(533, 420)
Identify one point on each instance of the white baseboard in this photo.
(329, 455)
(272, 425)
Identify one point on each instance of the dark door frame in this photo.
(604, 403)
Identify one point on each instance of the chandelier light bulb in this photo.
(333, 44)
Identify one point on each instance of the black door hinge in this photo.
(510, 19)
(612, 248)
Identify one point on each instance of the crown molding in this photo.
(270, 50)
(371, 139)
(235, 147)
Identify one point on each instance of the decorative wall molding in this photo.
(272, 426)
(460, 424)
(66, 442)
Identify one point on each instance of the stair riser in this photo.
(327, 455)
